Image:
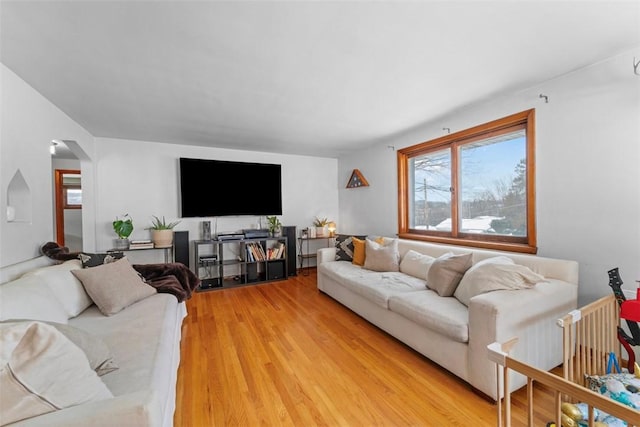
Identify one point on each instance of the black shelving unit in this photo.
(239, 262)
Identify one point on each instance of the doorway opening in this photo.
(68, 195)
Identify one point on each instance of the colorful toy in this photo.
(577, 415)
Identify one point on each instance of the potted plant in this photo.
(320, 224)
(123, 228)
(275, 226)
(162, 232)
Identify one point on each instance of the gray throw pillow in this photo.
(114, 286)
(446, 272)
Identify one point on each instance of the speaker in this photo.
(181, 247)
(289, 232)
(206, 230)
(275, 270)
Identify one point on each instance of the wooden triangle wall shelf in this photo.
(357, 180)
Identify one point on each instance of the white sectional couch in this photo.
(445, 330)
(143, 339)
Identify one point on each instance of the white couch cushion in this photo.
(445, 315)
(30, 298)
(42, 371)
(416, 264)
(375, 286)
(493, 274)
(97, 352)
(65, 286)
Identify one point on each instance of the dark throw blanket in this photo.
(174, 278)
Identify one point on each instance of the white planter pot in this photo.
(320, 231)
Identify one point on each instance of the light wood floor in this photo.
(284, 354)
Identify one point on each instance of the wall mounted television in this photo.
(225, 188)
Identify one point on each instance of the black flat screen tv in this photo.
(225, 188)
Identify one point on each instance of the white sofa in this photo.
(143, 338)
(447, 331)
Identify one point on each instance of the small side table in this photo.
(306, 254)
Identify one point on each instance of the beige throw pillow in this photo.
(382, 257)
(492, 274)
(446, 271)
(43, 373)
(98, 354)
(114, 286)
(416, 264)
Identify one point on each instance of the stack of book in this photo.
(255, 252)
(140, 244)
(276, 252)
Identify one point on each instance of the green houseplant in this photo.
(162, 232)
(274, 225)
(123, 226)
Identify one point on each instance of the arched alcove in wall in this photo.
(19, 199)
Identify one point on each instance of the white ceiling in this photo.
(300, 77)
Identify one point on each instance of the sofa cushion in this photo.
(416, 264)
(30, 298)
(447, 271)
(445, 315)
(64, 285)
(114, 286)
(374, 286)
(382, 257)
(98, 354)
(42, 372)
(344, 247)
(142, 340)
(492, 274)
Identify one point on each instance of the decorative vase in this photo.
(162, 238)
(319, 231)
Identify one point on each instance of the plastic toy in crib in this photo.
(577, 415)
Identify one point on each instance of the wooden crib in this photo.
(589, 337)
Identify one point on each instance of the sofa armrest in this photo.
(528, 314)
(326, 255)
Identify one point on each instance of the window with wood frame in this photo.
(71, 191)
(475, 187)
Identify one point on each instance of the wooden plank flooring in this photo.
(285, 354)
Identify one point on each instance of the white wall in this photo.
(141, 179)
(120, 176)
(587, 170)
(28, 124)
